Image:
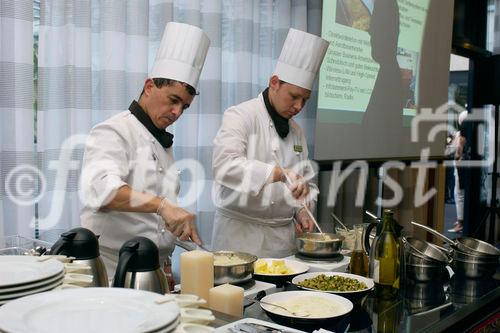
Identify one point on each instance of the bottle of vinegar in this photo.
(359, 259)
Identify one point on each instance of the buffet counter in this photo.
(462, 305)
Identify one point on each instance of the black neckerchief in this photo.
(280, 123)
(164, 138)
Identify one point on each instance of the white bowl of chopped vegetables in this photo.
(343, 284)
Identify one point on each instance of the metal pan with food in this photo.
(348, 285)
(306, 308)
(278, 271)
(229, 266)
(233, 267)
(319, 244)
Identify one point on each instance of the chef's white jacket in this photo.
(252, 214)
(122, 151)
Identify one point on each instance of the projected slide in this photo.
(373, 61)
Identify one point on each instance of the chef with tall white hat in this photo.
(129, 180)
(255, 205)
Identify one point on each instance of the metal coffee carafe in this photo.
(139, 267)
(82, 244)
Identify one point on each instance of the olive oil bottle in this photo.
(386, 259)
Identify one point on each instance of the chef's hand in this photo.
(304, 222)
(299, 186)
(179, 221)
(188, 231)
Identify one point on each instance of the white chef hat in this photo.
(181, 54)
(300, 58)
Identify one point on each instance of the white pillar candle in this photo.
(197, 273)
(226, 298)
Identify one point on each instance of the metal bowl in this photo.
(473, 257)
(474, 270)
(319, 245)
(425, 273)
(415, 260)
(236, 273)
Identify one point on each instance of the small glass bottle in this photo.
(359, 259)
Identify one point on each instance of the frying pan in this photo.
(465, 244)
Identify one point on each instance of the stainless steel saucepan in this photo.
(424, 250)
(234, 273)
(424, 261)
(472, 258)
(319, 244)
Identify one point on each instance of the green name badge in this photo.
(297, 148)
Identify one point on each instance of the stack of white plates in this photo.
(25, 275)
(90, 310)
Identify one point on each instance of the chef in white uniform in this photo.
(255, 206)
(129, 180)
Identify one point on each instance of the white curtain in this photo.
(19, 180)
(93, 58)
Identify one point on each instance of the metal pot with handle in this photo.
(424, 261)
(472, 258)
(314, 244)
(229, 266)
(465, 244)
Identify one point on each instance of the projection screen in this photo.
(387, 60)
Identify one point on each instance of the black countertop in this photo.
(455, 306)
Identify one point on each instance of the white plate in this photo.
(86, 310)
(344, 304)
(168, 328)
(17, 270)
(369, 282)
(25, 287)
(10, 297)
(296, 266)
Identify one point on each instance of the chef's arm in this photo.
(128, 200)
(178, 221)
(460, 148)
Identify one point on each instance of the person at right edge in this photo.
(254, 207)
(459, 146)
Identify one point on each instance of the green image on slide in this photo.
(372, 62)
